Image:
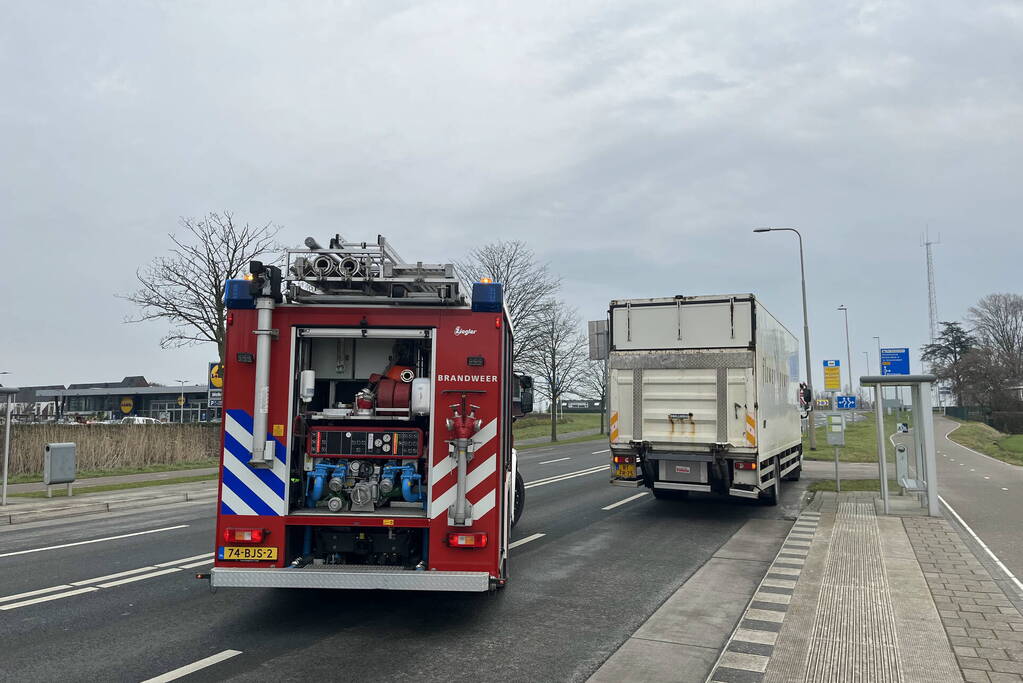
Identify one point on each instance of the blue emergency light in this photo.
(238, 294)
(487, 297)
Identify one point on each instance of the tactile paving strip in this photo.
(854, 636)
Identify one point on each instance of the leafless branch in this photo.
(186, 287)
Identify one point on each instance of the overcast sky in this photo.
(633, 145)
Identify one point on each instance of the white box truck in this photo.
(703, 396)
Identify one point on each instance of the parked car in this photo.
(139, 420)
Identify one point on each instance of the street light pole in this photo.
(806, 329)
(848, 352)
(866, 362)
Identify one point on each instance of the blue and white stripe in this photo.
(246, 490)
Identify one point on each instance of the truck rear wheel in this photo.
(520, 498)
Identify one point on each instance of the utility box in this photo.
(836, 430)
(59, 465)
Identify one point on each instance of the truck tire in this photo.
(520, 498)
(770, 496)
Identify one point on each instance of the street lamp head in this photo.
(762, 229)
(843, 308)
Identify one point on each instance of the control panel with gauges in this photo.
(348, 442)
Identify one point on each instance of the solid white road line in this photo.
(133, 574)
(113, 576)
(1000, 462)
(194, 666)
(176, 563)
(548, 462)
(28, 594)
(47, 598)
(606, 450)
(111, 584)
(193, 565)
(563, 477)
(95, 540)
(1012, 577)
(612, 506)
(523, 541)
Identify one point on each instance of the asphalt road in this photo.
(575, 593)
(986, 493)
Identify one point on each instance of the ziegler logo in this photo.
(462, 332)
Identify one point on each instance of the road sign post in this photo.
(895, 361)
(215, 386)
(836, 438)
(9, 392)
(832, 375)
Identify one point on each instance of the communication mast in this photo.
(932, 297)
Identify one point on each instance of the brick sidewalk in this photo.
(985, 629)
(863, 596)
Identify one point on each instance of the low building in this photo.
(132, 396)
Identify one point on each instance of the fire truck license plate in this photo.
(243, 553)
(626, 472)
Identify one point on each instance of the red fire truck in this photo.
(367, 419)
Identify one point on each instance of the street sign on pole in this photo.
(832, 375)
(215, 386)
(895, 361)
(845, 402)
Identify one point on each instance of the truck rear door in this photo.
(684, 407)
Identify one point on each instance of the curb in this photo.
(108, 506)
(750, 647)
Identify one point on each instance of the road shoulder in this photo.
(682, 639)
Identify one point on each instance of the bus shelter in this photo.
(925, 481)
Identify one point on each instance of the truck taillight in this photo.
(745, 465)
(627, 459)
(473, 540)
(233, 535)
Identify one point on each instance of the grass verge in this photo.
(61, 490)
(539, 424)
(853, 485)
(860, 440)
(34, 477)
(989, 441)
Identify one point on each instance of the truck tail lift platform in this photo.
(367, 440)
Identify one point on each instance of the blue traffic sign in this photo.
(894, 361)
(845, 402)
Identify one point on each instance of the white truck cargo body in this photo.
(703, 396)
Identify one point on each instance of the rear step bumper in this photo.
(674, 486)
(630, 483)
(744, 493)
(376, 578)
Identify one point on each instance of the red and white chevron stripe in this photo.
(481, 473)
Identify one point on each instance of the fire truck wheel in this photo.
(520, 498)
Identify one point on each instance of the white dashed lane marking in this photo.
(523, 541)
(612, 506)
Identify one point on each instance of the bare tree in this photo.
(997, 321)
(593, 381)
(186, 287)
(527, 284)
(558, 356)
